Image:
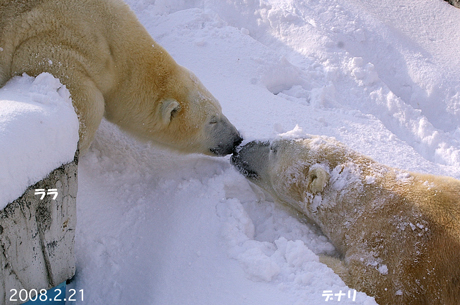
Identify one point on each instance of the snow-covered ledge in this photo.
(38, 185)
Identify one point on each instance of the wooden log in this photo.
(37, 235)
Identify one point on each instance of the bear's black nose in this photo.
(227, 148)
(238, 140)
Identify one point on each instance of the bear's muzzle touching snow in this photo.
(397, 232)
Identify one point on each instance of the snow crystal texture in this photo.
(38, 132)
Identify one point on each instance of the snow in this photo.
(32, 140)
(155, 227)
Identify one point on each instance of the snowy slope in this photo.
(160, 228)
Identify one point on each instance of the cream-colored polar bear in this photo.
(397, 232)
(112, 67)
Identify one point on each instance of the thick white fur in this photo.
(397, 232)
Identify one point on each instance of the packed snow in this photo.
(33, 141)
(155, 227)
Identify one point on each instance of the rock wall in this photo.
(37, 233)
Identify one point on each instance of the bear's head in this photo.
(293, 171)
(190, 119)
(176, 111)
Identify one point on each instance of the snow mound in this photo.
(38, 132)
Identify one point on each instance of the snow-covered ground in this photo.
(159, 228)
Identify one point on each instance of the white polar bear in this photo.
(112, 67)
(398, 233)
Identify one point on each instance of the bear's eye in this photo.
(213, 120)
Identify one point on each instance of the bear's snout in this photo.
(251, 158)
(237, 141)
(243, 167)
(223, 149)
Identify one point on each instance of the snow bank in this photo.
(38, 132)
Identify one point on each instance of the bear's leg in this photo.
(88, 102)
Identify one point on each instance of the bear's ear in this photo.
(168, 109)
(317, 180)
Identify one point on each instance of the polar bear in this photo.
(112, 68)
(397, 232)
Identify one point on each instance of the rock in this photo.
(37, 235)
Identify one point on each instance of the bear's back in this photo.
(35, 32)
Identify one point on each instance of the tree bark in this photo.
(37, 235)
